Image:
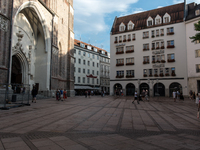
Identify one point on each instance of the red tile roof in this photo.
(175, 11)
(77, 43)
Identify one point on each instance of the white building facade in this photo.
(193, 48)
(105, 72)
(87, 67)
(149, 53)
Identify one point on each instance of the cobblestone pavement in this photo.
(96, 123)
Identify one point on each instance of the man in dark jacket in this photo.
(34, 93)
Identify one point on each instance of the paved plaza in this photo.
(96, 123)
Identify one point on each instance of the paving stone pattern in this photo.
(96, 123)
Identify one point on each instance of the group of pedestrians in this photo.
(177, 95)
(140, 97)
(61, 94)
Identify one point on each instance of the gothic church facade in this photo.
(36, 43)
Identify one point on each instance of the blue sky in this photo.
(93, 19)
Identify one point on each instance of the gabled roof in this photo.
(175, 11)
(192, 7)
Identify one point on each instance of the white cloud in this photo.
(187, 1)
(89, 14)
(138, 10)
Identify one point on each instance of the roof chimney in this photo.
(185, 10)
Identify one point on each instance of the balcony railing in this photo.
(171, 60)
(121, 76)
(170, 46)
(121, 64)
(129, 51)
(129, 76)
(145, 62)
(121, 52)
(129, 64)
(170, 33)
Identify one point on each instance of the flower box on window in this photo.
(162, 34)
(119, 76)
(124, 40)
(157, 35)
(129, 76)
(163, 61)
(145, 62)
(122, 52)
(155, 75)
(122, 64)
(166, 74)
(146, 37)
(144, 75)
(157, 47)
(120, 41)
(152, 48)
(153, 61)
(116, 41)
(129, 51)
(145, 49)
(173, 74)
(158, 61)
(133, 39)
(129, 64)
(171, 60)
(129, 40)
(161, 74)
(162, 47)
(170, 33)
(152, 36)
(150, 75)
(170, 46)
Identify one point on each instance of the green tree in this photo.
(197, 35)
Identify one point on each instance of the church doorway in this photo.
(159, 89)
(130, 89)
(117, 88)
(16, 73)
(144, 87)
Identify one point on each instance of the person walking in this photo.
(86, 94)
(193, 96)
(197, 99)
(146, 96)
(136, 97)
(61, 94)
(57, 95)
(89, 93)
(34, 93)
(65, 94)
(174, 95)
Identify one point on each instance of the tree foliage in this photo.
(197, 35)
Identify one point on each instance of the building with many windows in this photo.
(148, 52)
(87, 74)
(193, 49)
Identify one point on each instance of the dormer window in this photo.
(166, 18)
(130, 25)
(158, 20)
(149, 21)
(82, 45)
(122, 27)
(89, 47)
(95, 49)
(197, 12)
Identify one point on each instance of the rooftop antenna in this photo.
(80, 37)
(89, 41)
(101, 46)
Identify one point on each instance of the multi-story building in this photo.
(105, 71)
(193, 48)
(37, 43)
(87, 74)
(148, 52)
